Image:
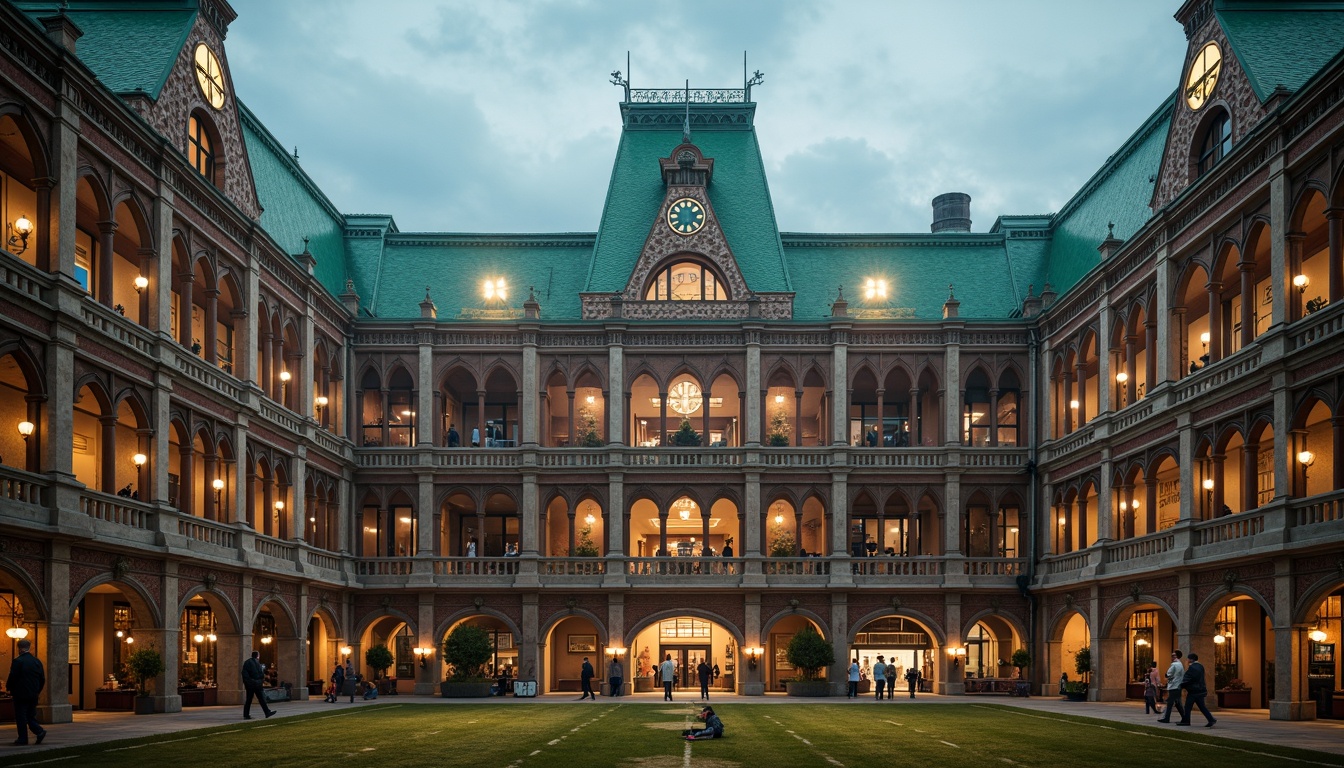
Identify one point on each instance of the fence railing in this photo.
(572, 566)
(796, 566)
(683, 566)
(207, 531)
(1229, 528)
(116, 509)
(1326, 508)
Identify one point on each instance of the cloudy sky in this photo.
(499, 117)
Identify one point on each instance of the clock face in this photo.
(1203, 75)
(684, 397)
(686, 216)
(209, 76)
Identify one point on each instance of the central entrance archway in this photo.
(899, 640)
(689, 639)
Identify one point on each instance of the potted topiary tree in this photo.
(781, 541)
(1076, 690)
(685, 436)
(379, 659)
(1021, 659)
(809, 653)
(466, 651)
(145, 664)
(588, 435)
(584, 546)
(778, 434)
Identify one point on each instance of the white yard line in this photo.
(950, 744)
(49, 760)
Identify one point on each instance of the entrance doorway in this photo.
(687, 658)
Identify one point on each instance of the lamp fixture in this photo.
(1073, 404)
(141, 283)
(779, 399)
(684, 514)
(1306, 458)
(1204, 338)
(16, 633)
(875, 289)
(212, 637)
(1141, 643)
(130, 640)
(1317, 636)
(1063, 520)
(267, 640)
(1208, 484)
(1301, 282)
(589, 519)
(285, 377)
(1122, 377)
(139, 460)
(779, 519)
(423, 655)
(21, 228)
(322, 401)
(753, 655)
(217, 484)
(26, 429)
(494, 289)
(198, 638)
(956, 655)
(1219, 639)
(590, 399)
(279, 505)
(346, 650)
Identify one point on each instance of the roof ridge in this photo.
(250, 120)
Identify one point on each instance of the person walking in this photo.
(254, 682)
(586, 680)
(853, 679)
(668, 672)
(351, 680)
(891, 679)
(1175, 674)
(912, 679)
(616, 677)
(26, 680)
(880, 676)
(337, 683)
(703, 672)
(1152, 682)
(1195, 692)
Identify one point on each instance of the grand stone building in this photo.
(233, 417)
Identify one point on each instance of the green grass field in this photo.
(648, 736)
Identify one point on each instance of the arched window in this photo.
(686, 281)
(1216, 143)
(201, 146)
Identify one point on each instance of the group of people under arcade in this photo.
(884, 678)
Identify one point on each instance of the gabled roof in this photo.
(293, 207)
(130, 46)
(1118, 193)
(738, 192)
(1282, 43)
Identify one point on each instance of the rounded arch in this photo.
(369, 620)
(447, 625)
(31, 133)
(769, 623)
(1206, 615)
(284, 610)
(698, 613)
(25, 589)
(1019, 631)
(686, 275)
(935, 630)
(1060, 620)
(92, 192)
(1115, 620)
(1305, 609)
(218, 602)
(603, 635)
(142, 603)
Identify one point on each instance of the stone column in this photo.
(1334, 222)
(952, 515)
(1285, 447)
(952, 384)
(839, 514)
(425, 418)
(184, 306)
(1160, 336)
(750, 543)
(615, 515)
(1278, 238)
(839, 384)
(750, 682)
(532, 388)
(1215, 321)
(424, 514)
(1289, 697)
(529, 529)
(53, 704)
(248, 364)
(755, 399)
(298, 511)
(1186, 452)
(617, 406)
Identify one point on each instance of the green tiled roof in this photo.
(293, 208)
(1119, 193)
(738, 192)
(129, 46)
(453, 266)
(917, 268)
(1283, 46)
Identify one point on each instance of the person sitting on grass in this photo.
(713, 726)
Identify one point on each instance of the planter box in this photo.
(1229, 699)
(643, 685)
(1135, 691)
(465, 690)
(810, 688)
(276, 694)
(6, 710)
(114, 701)
(144, 705)
(199, 697)
(1080, 696)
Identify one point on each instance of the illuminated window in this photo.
(1217, 142)
(201, 148)
(686, 281)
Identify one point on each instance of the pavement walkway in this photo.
(1247, 725)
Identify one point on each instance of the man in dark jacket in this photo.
(254, 681)
(586, 680)
(1195, 692)
(25, 682)
(337, 683)
(703, 672)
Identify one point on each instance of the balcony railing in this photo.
(796, 566)
(281, 550)
(476, 566)
(1142, 547)
(1230, 528)
(117, 510)
(684, 457)
(1325, 508)
(17, 485)
(690, 567)
(207, 531)
(897, 566)
(572, 566)
(994, 566)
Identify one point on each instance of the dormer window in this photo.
(202, 146)
(1217, 142)
(686, 281)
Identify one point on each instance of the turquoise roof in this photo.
(738, 193)
(1284, 46)
(293, 207)
(917, 268)
(129, 45)
(453, 267)
(1119, 193)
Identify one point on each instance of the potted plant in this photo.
(778, 433)
(588, 435)
(379, 659)
(144, 664)
(781, 542)
(685, 436)
(1237, 695)
(1076, 690)
(466, 651)
(1021, 659)
(809, 653)
(584, 546)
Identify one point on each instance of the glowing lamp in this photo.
(589, 519)
(130, 641)
(1219, 639)
(1317, 636)
(23, 226)
(1204, 338)
(875, 289)
(1301, 282)
(322, 401)
(139, 460)
(212, 637)
(26, 429)
(1208, 484)
(279, 505)
(198, 637)
(217, 484)
(1073, 404)
(779, 519)
(267, 640)
(494, 289)
(141, 283)
(16, 633)
(285, 377)
(1306, 458)
(1122, 377)
(346, 650)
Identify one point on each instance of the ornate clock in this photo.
(1203, 75)
(686, 216)
(684, 397)
(209, 76)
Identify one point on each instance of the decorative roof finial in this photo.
(950, 297)
(686, 127)
(427, 293)
(840, 293)
(305, 245)
(531, 293)
(296, 153)
(1110, 230)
